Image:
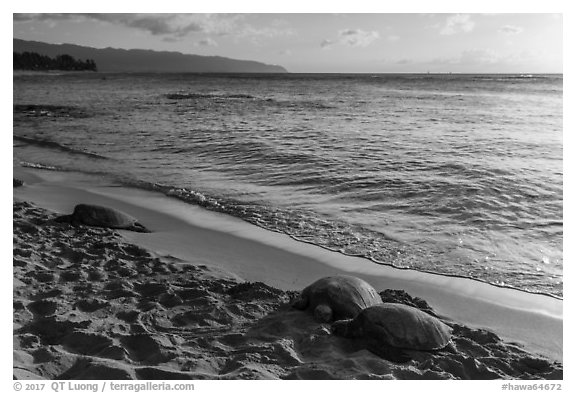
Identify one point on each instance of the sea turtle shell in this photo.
(397, 325)
(101, 216)
(337, 297)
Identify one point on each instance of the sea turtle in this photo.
(337, 297)
(101, 216)
(396, 325)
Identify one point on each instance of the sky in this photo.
(322, 42)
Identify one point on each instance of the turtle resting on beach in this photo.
(396, 325)
(337, 297)
(101, 216)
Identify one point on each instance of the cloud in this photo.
(207, 42)
(459, 23)
(30, 17)
(509, 29)
(352, 37)
(171, 26)
(156, 24)
(257, 33)
(357, 37)
(326, 43)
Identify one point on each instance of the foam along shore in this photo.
(193, 234)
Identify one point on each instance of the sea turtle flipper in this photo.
(450, 348)
(300, 303)
(392, 354)
(343, 328)
(137, 227)
(323, 313)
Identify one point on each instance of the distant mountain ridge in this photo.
(141, 60)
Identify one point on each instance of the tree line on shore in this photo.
(37, 62)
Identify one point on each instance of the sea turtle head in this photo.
(323, 313)
(341, 328)
(67, 219)
(300, 303)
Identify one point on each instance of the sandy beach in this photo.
(207, 296)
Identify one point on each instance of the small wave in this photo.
(58, 146)
(200, 96)
(550, 223)
(304, 105)
(50, 110)
(36, 165)
(288, 104)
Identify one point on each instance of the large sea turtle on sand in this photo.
(396, 325)
(337, 297)
(101, 216)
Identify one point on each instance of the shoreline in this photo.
(193, 234)
(16, 73)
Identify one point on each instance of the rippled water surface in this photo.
(452, 174)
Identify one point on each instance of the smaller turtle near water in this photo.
(398, 326)
(337, 297)
(101, 216)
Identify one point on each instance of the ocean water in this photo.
(449, 174)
